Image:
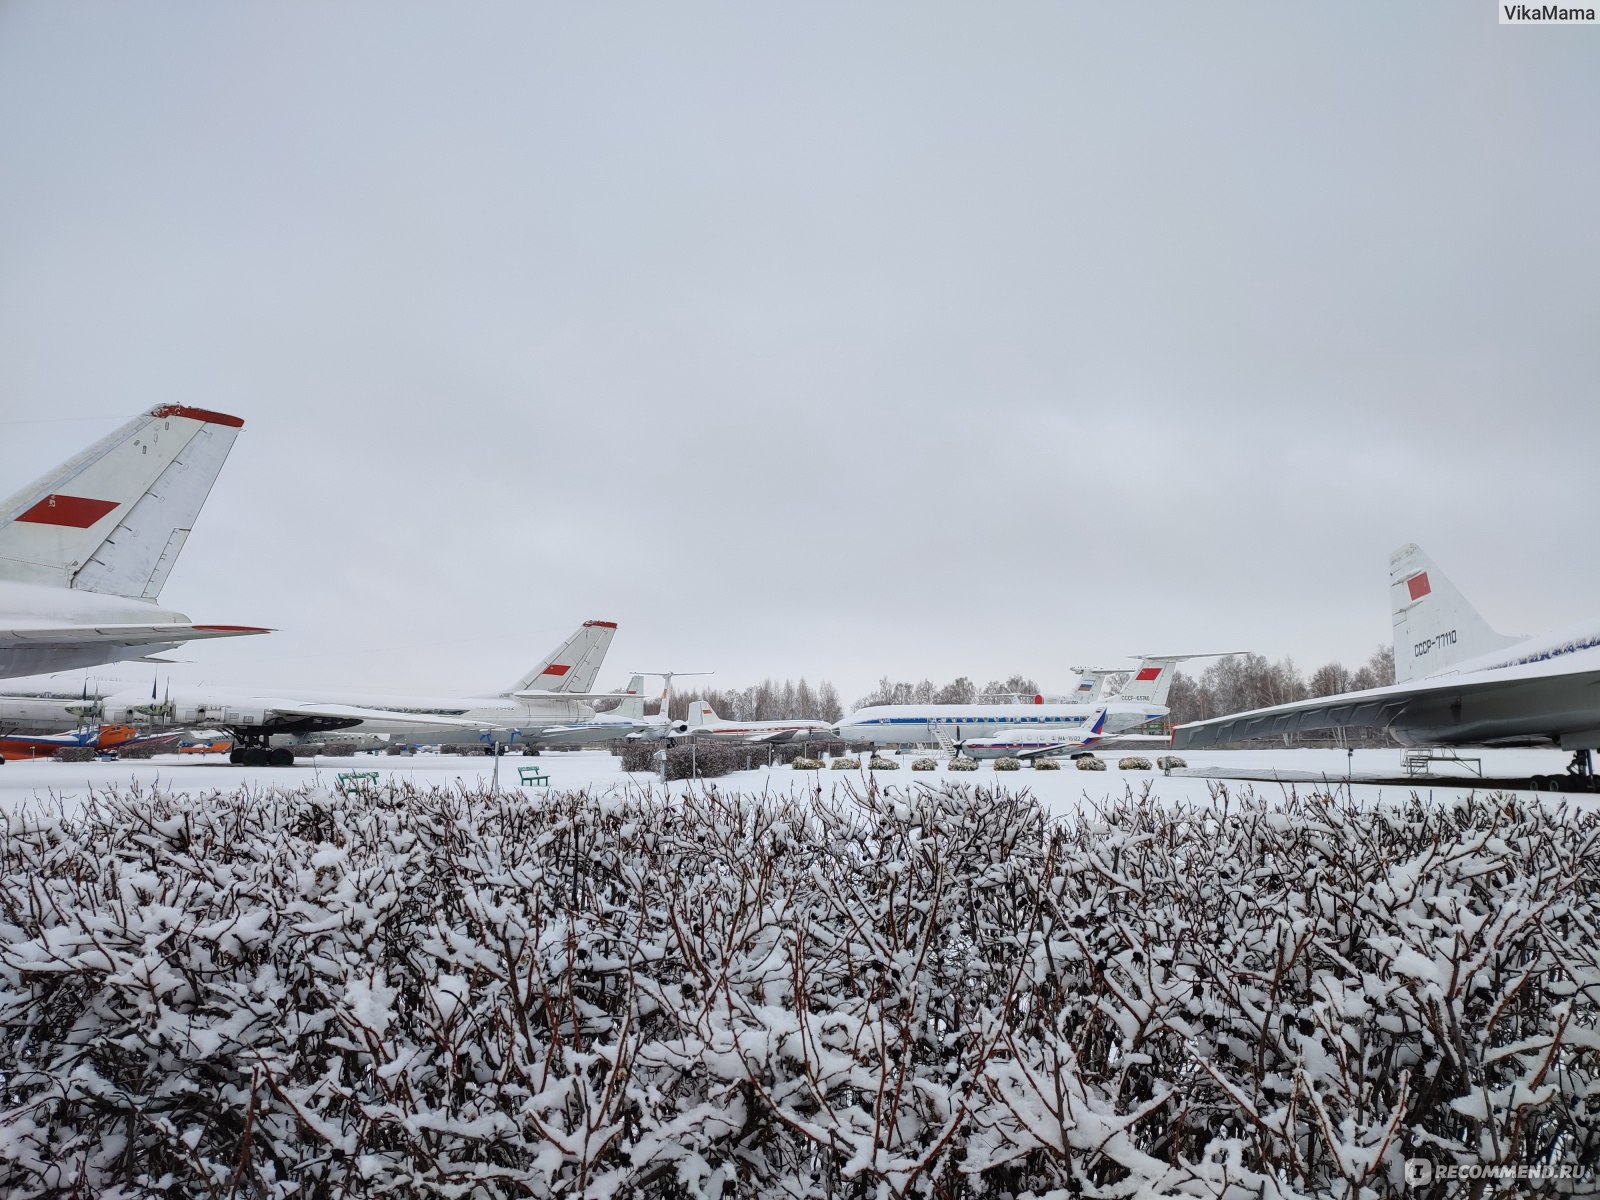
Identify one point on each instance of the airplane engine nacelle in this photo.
(678, 727)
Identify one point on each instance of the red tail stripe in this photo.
(197, 414)
(557, 669)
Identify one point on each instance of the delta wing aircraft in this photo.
(551, 693)
(85, 549)
(1458, 683)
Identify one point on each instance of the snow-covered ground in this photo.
(55, 784)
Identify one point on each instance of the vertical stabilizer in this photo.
(573, 665)
(114, 518)
(633, 706)
(1434, 626)
(700, 713)
(1092, 684)
(1150, 683)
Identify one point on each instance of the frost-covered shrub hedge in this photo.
(702, 760)
(1170, 762)
(925, 764)
(928, 992)
(1008, 764)
(1046, 764)
(74, 754)
(1133, 762)
(1088, 762)
(845, 764)
(878, 763)
(808, 764)
(639, 754)
(962, 763)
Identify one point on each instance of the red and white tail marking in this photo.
(114, 518)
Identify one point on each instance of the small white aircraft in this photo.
(627, 720)
(1458, 683)
(85, 549)
(704, 722)
(553, 692)
(1038, 743)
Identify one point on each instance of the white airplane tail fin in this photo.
(571, 666)
(633, 706)
(1150, 683)
(1091, 684)
(114, 518)
(701, 713)
(1434, 626)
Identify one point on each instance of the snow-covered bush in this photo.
(1133, 762)
(1046, 764)
(962, 763)
(879, 763)
(925, 764)
(1088, 762)
(808, 764)
(700, 759)
(845, 764)
(935, 991)
(639, 754)
(1170, 762)
(1008, 764)
(74, 754)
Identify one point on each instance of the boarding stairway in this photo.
(946, 739)
(1419, 762)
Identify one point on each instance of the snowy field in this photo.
(53, 784)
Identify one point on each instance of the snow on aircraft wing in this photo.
(122, 635)
(354, 712)
(1378, 708)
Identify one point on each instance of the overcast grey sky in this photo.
(824, 339)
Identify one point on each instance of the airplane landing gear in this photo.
(258, 755)
(1580, 776)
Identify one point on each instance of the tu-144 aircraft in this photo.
(1457, 683)
(86, 548)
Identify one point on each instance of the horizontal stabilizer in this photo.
(36, 636)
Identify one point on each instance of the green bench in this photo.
(348, 783)
(532, 775)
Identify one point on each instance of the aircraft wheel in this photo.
(281, 756)
(255, 756)
(236, 755)
(1540, 783)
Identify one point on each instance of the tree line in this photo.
(765, 701)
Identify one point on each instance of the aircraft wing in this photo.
(159, 633)
(1521, 702)
(354, 712)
